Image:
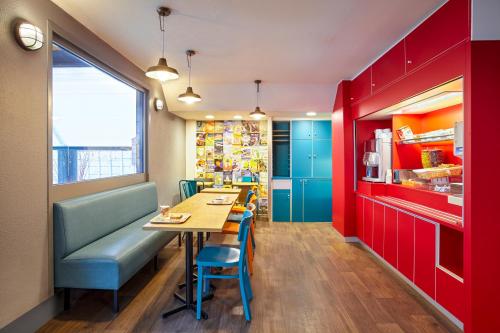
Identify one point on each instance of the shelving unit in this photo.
(281, 148)
(430, 139)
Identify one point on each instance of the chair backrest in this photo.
(187, 188)
(249, 196)
(243, 233)
(81, 221)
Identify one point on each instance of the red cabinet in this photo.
(450, 293)
(391, 236)
(425, 256)
(389, 67)
(406, 244)
(361, 86)
(447, 27)
(378, 228)
(368, 223)
(359, 217)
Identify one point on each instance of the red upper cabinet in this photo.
(389, 67)
(425, 256)
(448, 26)
(361, 86)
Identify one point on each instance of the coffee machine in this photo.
(377, 157)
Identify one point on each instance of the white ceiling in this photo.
(300, 49)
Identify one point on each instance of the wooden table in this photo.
(204, 218)
(222, 190)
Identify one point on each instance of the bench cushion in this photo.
(81, 221)
(113, 259)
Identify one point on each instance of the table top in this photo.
(221, 190)
(204, 218)
(245, 183)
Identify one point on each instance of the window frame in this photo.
(62, 191)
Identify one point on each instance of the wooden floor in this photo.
(306, 280)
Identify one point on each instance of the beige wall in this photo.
(25, 230)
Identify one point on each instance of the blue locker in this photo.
(281, 205)
(302, 158)
(302, 130)
(322, 130)
(317, 200)
(322, 159)
(297, 200)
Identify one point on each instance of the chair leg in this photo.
(249, 287)
(244, 298)
(199, 292)
(250, 256)
(179, 240)
(116, 307)
(252, 233)
(67, 299)
(155, 262)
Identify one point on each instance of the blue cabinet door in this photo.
(297, 200)
(322, 130)
(322, 159)
(301, 158)
(281, 205)
(301, 129)
(317, 200)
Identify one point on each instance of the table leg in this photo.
(189, 303)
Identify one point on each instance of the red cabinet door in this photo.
(448, 26)
(359, 217)
(391, 237)
(389, 67)
(361, 86)
(450, 293)
(368, 223)
(425, 256)
(406, 245)
(378, 228)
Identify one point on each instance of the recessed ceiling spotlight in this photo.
(311, 114)
(238, 117)
(209, 116)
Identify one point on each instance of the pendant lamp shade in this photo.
(162, 72)
(257, 114)
(189, 97)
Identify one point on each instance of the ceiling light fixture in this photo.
(209, 116)
(311, 114)
(257, 114)
(162, 71)
(238, 117)
(189, 97)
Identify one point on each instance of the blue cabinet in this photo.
(311, 200)
(302, 158)
(322, 130)
(317, 200)
(281, 205)
(297, 200)
(322, 159)
(302, 129)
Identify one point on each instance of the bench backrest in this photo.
(81, 221)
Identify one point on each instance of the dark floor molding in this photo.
(36, 317)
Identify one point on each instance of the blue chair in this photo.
(187, 188)
(226, 256)
(237, 211)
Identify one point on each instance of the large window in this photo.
(97, 121)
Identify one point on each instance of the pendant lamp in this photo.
(162, 71)
(257, 114)
(189, 97)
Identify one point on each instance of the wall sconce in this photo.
(28, 36)
(158, 104)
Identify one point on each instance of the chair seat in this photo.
(238, 209)
(235, 217)
(218, 256)
(231, 228)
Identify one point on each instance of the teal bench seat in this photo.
(99, 242)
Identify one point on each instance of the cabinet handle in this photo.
(309, 157)
(314, 156)
(409, 62)
(373, 84)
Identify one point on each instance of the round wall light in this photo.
(238, 117)
(159, 104)
(28, 36)
(209, 116)
(311, 114)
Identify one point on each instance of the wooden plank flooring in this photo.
(306, 280)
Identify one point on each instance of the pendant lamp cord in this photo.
(162, 29)
(258, 93)
(188, 57)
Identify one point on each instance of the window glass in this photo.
(97, 122)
